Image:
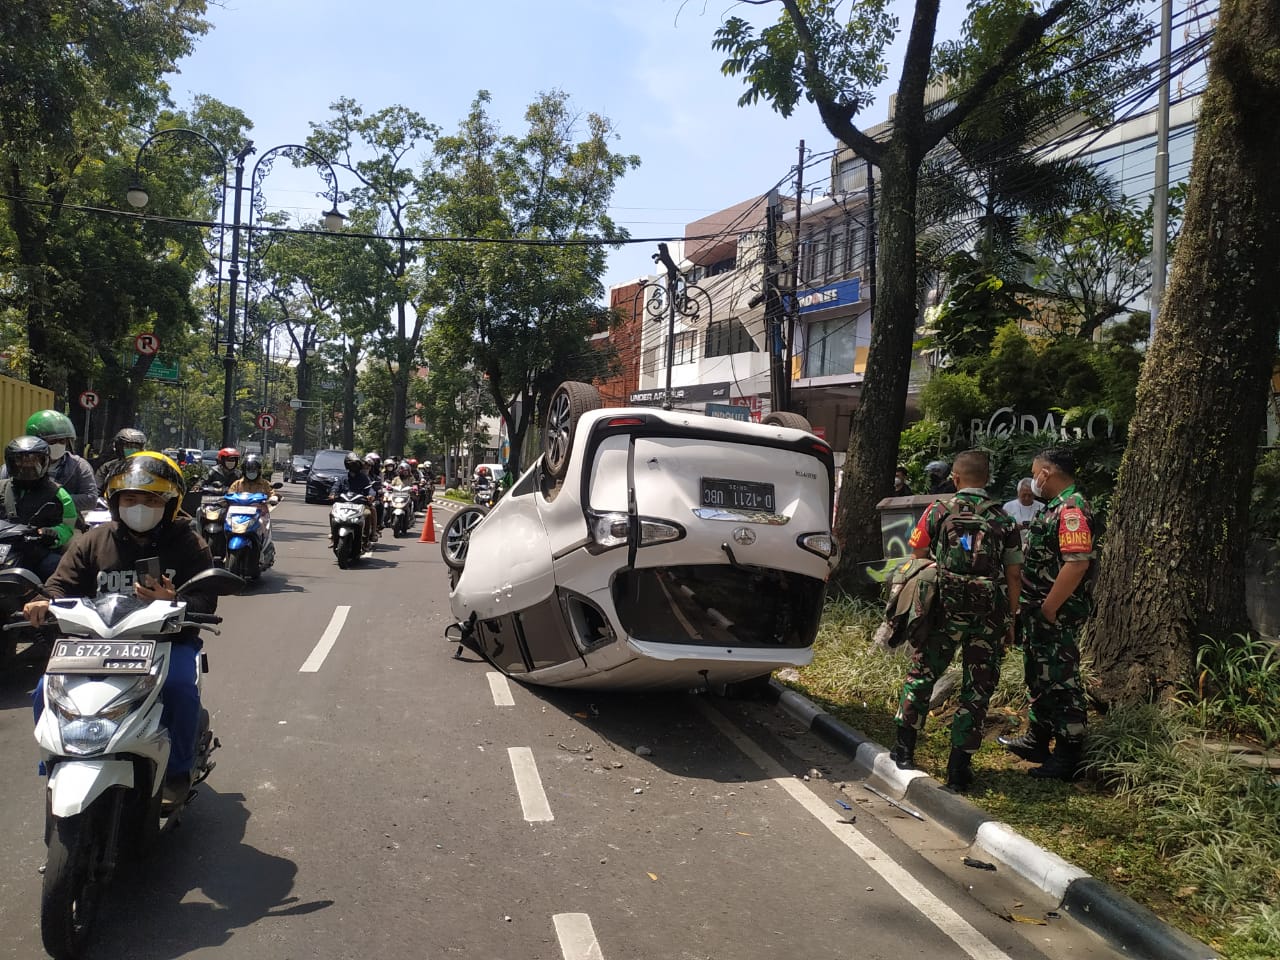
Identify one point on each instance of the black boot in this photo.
(1032, 745)
(904, 751)
(1063, 765)
(959, 770)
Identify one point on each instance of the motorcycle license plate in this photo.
(101, 656)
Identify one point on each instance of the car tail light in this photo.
(823, 544)
(610, 530)
(626, 422)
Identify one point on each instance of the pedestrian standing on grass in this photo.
(979, 558)
(1023, 508)
(1057, 599)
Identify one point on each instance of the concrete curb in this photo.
(1124, 923)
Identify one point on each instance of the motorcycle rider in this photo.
(125, 443)
(252, 481)
(29, 495)
(373, 465)
(144, 496)
(72, 472)
(224, 473)
(356, 480)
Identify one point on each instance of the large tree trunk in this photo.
(302, 373)
(349, 373)
(1173, 567)
(877, 421)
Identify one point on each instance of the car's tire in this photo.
(781, 418)
(455, 539)
(570, 401)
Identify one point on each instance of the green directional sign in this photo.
(162, 370)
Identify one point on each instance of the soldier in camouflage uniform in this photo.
(978, 552)
(1056, 602)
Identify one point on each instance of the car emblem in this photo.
(744, 536)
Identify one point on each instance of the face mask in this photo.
(251, 473)
(130, 451)
(56, 451)
(1037, 491)
(141, 518)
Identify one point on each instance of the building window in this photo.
(649, 359)
(724, 337)
(686, 347)
(830, 347)
(856, 241)
(851, 175)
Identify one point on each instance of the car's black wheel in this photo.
(457, 535)
(781, 418)
(70, 894)
(570, 401)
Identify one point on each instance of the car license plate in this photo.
(101, 656)
(737, 494)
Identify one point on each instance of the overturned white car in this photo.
(649, 549)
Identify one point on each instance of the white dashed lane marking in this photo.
(326, 642)
(577, 937)
(501, 690)
(533, 799)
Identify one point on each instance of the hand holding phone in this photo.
(148, 571)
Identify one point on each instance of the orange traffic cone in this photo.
(428, 528)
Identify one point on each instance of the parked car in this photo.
(649, 549)
(297, 469)
(326, 468)
(209, 459)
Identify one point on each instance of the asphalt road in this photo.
(375, 797)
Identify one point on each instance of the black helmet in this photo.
(27, 459)
(128, 441)
(352, 463)
(251, 467)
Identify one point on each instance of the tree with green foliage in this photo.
(520, 306)
(1173, 568)
(387, 152)
(835, 60)
(78, 79)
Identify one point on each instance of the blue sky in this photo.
(646, 64)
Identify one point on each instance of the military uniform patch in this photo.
(1072, 521)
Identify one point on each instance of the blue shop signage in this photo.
(833, 295)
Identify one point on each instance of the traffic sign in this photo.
(163, 370)
(266, 420)
(89, 399)
(147, 344)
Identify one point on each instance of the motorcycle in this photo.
(211, 519)
(247, 531)
(16, 539)
(484, 491)
(100, 514)
(399, 509)
(349, 518)
(103, 747)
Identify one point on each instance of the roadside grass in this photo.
(461, 496)
(1183, 826)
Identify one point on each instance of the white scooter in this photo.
(102, 745)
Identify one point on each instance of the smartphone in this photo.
(148, 571)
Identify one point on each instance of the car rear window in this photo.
(329, 460)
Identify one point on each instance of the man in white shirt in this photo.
(1023, 508)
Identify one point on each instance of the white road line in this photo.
(938, 913)
(533, 799)
(500, 689)
(327, 640)
(577, 937)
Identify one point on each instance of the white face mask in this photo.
(141, 518)
(56, 452)
(1037, 491)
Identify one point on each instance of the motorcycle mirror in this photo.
(18, 582)
(214, 580)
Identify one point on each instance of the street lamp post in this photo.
(138, 197)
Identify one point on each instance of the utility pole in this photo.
(1160, 202)
(793, 304)
(778, 382)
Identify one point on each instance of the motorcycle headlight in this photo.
(88, 735)
(84, 735)
(241, 524)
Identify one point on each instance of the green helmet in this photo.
(50, 425)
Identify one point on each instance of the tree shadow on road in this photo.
(200, 885)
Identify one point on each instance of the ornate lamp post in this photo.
(138, 197)
(678, 297)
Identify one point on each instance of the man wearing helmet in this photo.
(124, 444)
(252, 481)
(373, 465)
(144, 496)
(357, 481)
(29, 496)
(72, 472)
(226, 470)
